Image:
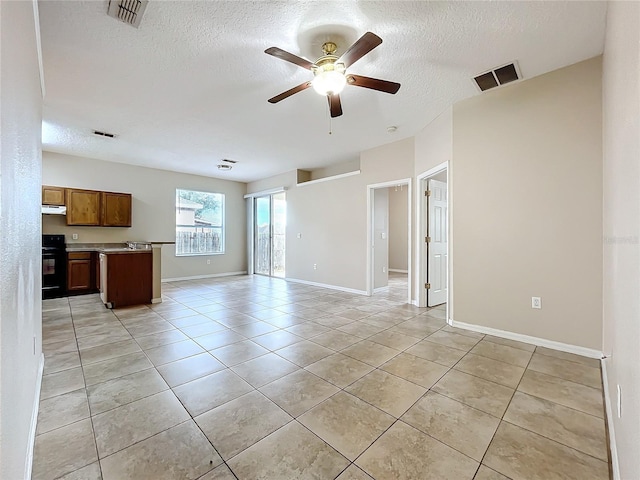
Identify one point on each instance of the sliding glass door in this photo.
(270, 220)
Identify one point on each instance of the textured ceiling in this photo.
(190, 86)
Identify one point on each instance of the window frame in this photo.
(221, 227)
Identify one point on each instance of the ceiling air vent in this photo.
(229, 161)
(128, 11)
(498, 76)
(104, 134)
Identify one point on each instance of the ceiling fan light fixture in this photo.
(329, 81)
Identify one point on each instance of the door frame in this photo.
(254, 242)
(250, 222)
(421, 232)
(370, 192)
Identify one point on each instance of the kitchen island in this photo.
(126, 277)
(128, 280)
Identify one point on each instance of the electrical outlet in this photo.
(619, 402)
(384, 269)
(536, 302)
(299, 235)
(315, 266)
(74, 236)
(208, 261)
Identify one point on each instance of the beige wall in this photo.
(154, 213)
(398, 218)
(20, 240)
(331, 217)
(527, 207)
(380, 237)
(621, 127)
(434, 144)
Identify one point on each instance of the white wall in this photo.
(20, 241)
(621, 128)
(398, 218)
(527, 207)
(154, 212)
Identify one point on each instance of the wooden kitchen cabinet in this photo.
(83, 207)
(116, 209)
(127, 278)
(53, 195)
(91, 208)
(79, 272)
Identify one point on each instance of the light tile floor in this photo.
(255, 378)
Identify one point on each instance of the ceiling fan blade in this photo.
(363, 45)
(289, 57)
(335, 106)
(373, 83)
(288, 93)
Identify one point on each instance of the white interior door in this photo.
(437, 243)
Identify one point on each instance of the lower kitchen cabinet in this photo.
(126, 278)
(80, 272)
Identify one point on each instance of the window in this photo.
(199, 223)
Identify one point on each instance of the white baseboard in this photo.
(34, 421)
(542, 342)
(325, 285)
(156, 300)
(612, 437)
(380, 289)
(398, 271)
(198, 277)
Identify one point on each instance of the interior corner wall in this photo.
(20, 242)
(153, 210)
(398, 218)
(434, 143)
(621, 124)
(527, 206)
(331, 218)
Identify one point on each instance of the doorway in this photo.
(270, 221)
(382, 276)
(434, 255)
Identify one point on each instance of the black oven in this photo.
(54, 271)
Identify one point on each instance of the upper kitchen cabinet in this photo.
(53, 195)
(116, 209)
(83, 207)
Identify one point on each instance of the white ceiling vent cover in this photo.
(128, 11)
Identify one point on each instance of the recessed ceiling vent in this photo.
(128, 11)
(104, 134)
(498, 76)
(224, 166)
(229, 161)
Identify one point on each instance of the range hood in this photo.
(54, 210)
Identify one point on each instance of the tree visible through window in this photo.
(199, 223)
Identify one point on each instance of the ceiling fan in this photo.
(329, 71)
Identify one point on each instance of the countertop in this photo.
(108, 247)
